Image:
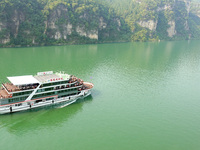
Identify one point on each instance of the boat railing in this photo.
(28, 87)
(5, 88)
(4, 93)
(4, 97)
(67, 87)
(10, 88)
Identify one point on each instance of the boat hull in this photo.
(64, 101)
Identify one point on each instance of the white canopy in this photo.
(21, 80)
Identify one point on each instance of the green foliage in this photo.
(194, 24)
(121, 18)
(162, 26)
(143, 35)
(161, 11)
(33, 17)
(195, 7)
(140, 36)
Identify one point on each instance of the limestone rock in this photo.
(150, 24)
(81, 31)
(57, 35)
(92, 34)
(6, 37)
(102, 24)
(1, 26)
(171, 30)
(17, 18)
(5, 40)
(67, 30)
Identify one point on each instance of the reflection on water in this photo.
(146, 56)
(37, 119)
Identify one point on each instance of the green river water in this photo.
(146, 96)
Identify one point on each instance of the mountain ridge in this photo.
(58, 22)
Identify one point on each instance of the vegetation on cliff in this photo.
(49, 22)
(171, 19)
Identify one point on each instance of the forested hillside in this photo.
(160, 19)
(195, 7)
(50, 22)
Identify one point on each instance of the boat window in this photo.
(38, 101)
(63, 96)
(44, 94)
(63, 82)
(54, 83)
(22, 93)
(17, 99)
(51, 98)
(20, 104)
(48, 89)
(40, 90)
(47, 84)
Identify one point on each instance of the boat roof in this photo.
(41, 77)
(46, 78)
(22, 80)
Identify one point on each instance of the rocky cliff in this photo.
(65, 23)
(170, 20)
(50, 22)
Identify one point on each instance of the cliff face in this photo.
(39, 22)
(63, 24)
(172, 28)
(175, 15)
(60, 25)
(58, 31)
(5, 37)
(150, 24)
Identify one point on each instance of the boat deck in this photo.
(3, 94)
(88, 85)
(46, 78)
(11, 88)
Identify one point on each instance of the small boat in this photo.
(44, 89)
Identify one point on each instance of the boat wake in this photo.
(66, 104)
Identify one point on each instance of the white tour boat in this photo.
(44, 89)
